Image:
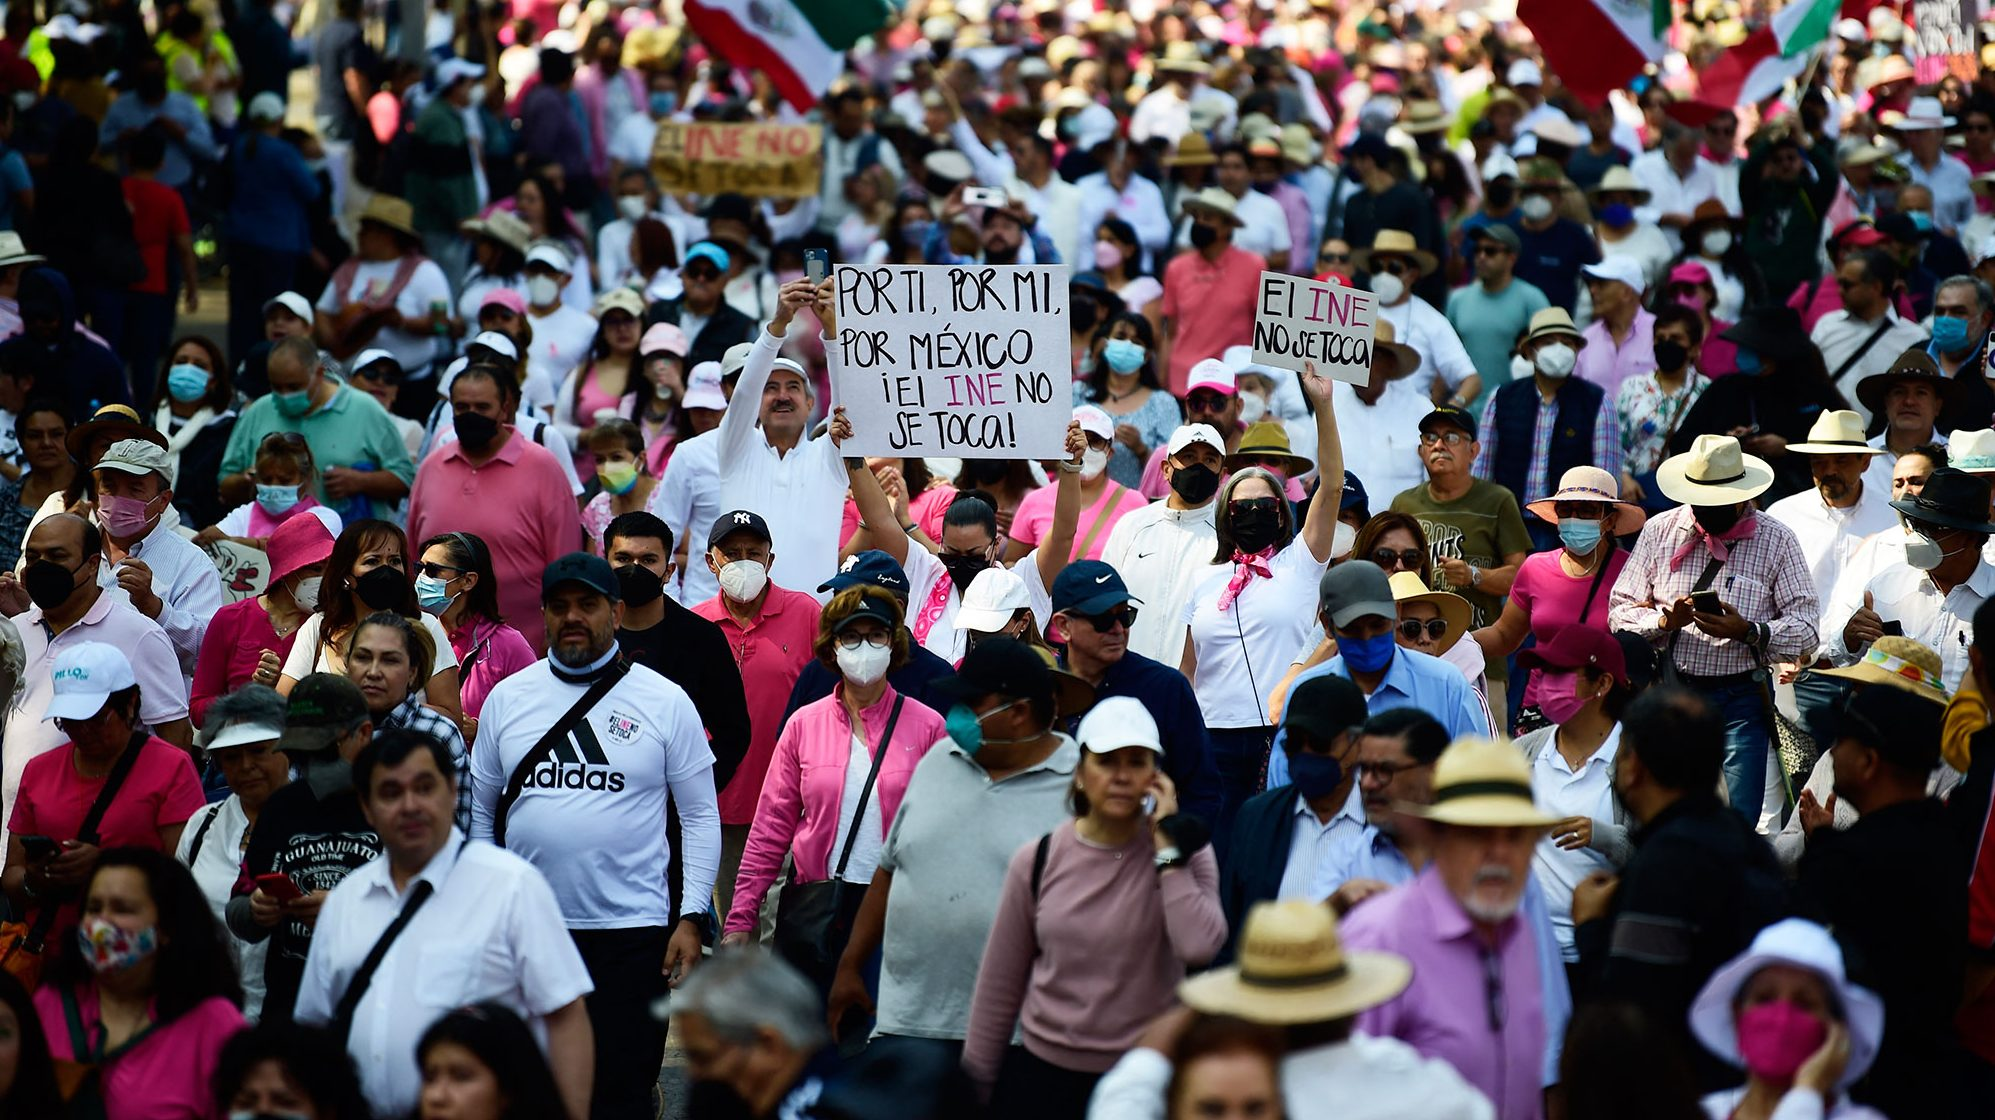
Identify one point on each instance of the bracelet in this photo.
(910, 528)
(1069, 468)
(1475, 576)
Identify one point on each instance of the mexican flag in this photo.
(799, 44)
(1594, 46)
(1769, 57)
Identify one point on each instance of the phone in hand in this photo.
(1149, 804)
(278, 886)
(40, 848)
(1705, 602)
(817, 265)
(984, 196)
(1894, 628)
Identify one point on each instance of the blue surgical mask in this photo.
(966, 727)
(1921, 219)
(433, 594)
(663, 102)
(1749, 362)
(1367, 655)
(1949, 334)
(1617, 214)
(187, 382)
(1123, 355)
(1314, 775)
(276, 500)
(1579, 535)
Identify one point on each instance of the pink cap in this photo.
(298, 543)
(663, 337)
(505, 297)
(1211, 374)
(1095, 422)
(1690, 272)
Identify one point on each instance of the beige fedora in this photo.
(1215, 201)
(1407, 587)
(1385, 339)
(1265, 441)
(1393, 243)
(1620, 180)
(502, 226)
(1193, 150)
(394, 213)
(1836, 432)
(1898, 662)
(1591, 484)
(1293, 969)
(1554, 322)
(1482, 783)
(1183, 57)
(1714, 472)
(1424, 117)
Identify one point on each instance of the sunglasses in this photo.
(436, 571)
(1410, 629)
(1396, 267)
(700, 273)
(1406, 558)
(1123, 616)
(1206, 401)
(288, 439)
(1248, 505)
(382, 373)
(1591, 511)
(1333, 258)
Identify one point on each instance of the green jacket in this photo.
(440, 185)
(1784, 220)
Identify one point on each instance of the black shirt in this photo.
(1777, 403)
(318, 844)
(692, 653)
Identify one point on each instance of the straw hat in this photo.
(1385, 339)
(1973, 452)
(1836, 432)
(1591, 484)
(1714, 472)
(1423, 117)
(1710, 212)
(1293, 969)
(1900, 663)
(1393, 243)
(1455, 610)
(1554, 322)
(1216, 202)
(395, 213)
(1482, 783)
(1620, 180)
(1193, 150)
(1181, 56)
(1797, 943)
(113, 422)
(1267, 439)
(502, 226)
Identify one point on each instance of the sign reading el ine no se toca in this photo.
(959, 361)
(1299, 321)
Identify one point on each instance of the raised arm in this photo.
(1319, 530)
(1058, 543)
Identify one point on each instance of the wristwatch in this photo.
(1170, 857)
(1475, 576)
(703, 922)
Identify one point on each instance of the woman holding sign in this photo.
(1253, 609)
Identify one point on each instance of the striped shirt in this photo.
(1765, 578)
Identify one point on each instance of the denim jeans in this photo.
(1818, 700)
(1743, 708)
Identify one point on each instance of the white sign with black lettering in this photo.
(1298, 321)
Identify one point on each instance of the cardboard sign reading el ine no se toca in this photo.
(1298, 321)
(963, 361)
(709, 157)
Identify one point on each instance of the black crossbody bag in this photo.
(537, 754)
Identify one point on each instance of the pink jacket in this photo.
(589, 83)
(798, 811)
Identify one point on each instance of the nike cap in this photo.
(1089, 587)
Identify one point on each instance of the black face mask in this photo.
(476, 431)
(383, 589)
(1500, 194)
(639, 585)
(48, 583)
(963, 569)
(1203, 236)
(1255, 527)
(1195, 484)
(1085, 314)
(1670, 356)
(1716, 519)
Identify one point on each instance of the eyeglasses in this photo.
(1591, 511)
(1395, 266)
(1382, 773)
(1410, 628)
(1452, 439)
(851, 641)
(1491, 249)
(1123, 616)
(700, 273)
(435, 571)
(1406, 558)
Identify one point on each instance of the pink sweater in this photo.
(1099, 956)
(805, 785)
(236, 638)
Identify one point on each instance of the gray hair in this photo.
(13, 663)
(252, 703)
(739, 993)
(1984, 296)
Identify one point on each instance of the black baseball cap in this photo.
(740, 521)
(869, 567)
(872, 607)
(1000, 666)
(1324, 707)
(1089, 587)
(319, 710)
(1448, 414)
(592, 572)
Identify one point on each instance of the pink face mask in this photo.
(1775, 1038)
(1555, 698)
(123, 517)
(1693, 302)
(1107, 255)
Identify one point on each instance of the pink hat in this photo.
(1689, 272)
(505, 297)
(300, 542)
(1211, 373)
(665, 338)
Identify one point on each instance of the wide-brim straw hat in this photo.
(1392, 243)
(1591, 484)
(1407, 587)
(1294, 969)
(1424, 117)
(394, 213)
(1193, 150)
(1897, 662)
(1216, 202)
(1263, 440)
(1482, 783)
(1620, 180)
(1385, 337)
(1716, 471)
(1795, 943)
(1838, 431)
(111, 422)
(1554, 322)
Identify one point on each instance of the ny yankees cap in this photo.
(740, 521)
(1089, 587)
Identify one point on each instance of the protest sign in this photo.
(706, 157)
(1298, 321)
(1943, 40)
(963, 361)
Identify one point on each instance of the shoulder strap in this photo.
(1039, 864)
(349, 1002)
(859, 814)
(1862, 350)
(119, 772)
(516, 784)
(1593, 590)
(1109, 502)
(201, 833)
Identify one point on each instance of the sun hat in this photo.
(1298, 143)
(1187, 434)
(1183, 57)
(1899, 662)
(502, 226)
(1591, 484)
(1951, 499)
(1973, 452)
(14, 251)
(1801, 944)
(1117, 722)
(1481, 783)
(1714, 472)
(1353, 590)
(663, 338)
(1424, 116)
(1267, 439)
(1385, 340)
(1572, 648)
(1293, 969)
(394, 213)
(1921, 114)
(1617, 267)
(1193, 150)
(137, 457)
(1709, 212)
(243, 732)
(703, 388)
(1216, 202)
(85, 676)
(1619, 180)
(1556, 129)
(1392, 243)
(991, 600)
(1407, 587)
(1912, 365)
(299, 542)
(1838, 431)
(1554, 322)
(116, 422)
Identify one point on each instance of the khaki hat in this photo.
(1193, 150)
(1620, 180)
(1423, 117)
(1181, 56)
(502, 226)
(1393, 243)
(395, 213)
(1898, 662)
(1386, 338)
(114, 422)
(1298, 144)
(1554, 322)
(620, 299)
(1215, 201)
(139, 457)
(1267, 439)
(1407, 587)
(1836, 432)
(1482, 783)
(1716, 471)
(1293, 969)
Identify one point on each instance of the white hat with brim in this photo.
(1481, 783)
(991, 600)
(1118, 722)
(1836, 432)
(1714, 472)
(242, 733)
(15, 251)
(1923, 113)
(1294, 969)
(1591, 484)
(1795, 943)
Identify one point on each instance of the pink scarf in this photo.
(261, 524)
(931, 611)
(1719, 545)
(1247, 565)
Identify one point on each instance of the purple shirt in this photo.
(1447, 1010)
(1606, 364)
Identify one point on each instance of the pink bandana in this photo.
(1747, 526)
(1247, 565)
(931, 611)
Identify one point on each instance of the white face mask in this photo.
(1388, 288)
(631, 206)
(1520, 367)
(1253, 406)
(1924, 553)
(1093, 462)
(1341, 540)
(866, 664)
(1556, 360)
(743, 580)
(1536, 208)
(478, 94)
(306, 594)
(1716, 242)
(543, 291)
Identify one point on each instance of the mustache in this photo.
(1494, 875)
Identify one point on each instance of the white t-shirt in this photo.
(235, 523)
(426, 286)
(872, 834)
(689, 504)
(307, 658)
(216, 868)
(561, 340)
(1236, 678)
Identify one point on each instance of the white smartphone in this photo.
(1149, 804)
(984, 196)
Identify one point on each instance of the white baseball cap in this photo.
(1211, 373)
(1188, 434)
(1525, 72)
(550, 254)
(493, 340)
(1617, 267)
(290, 301)
(368, 357)
(994, 596)
(1499, 164)
(1118, 722)
(453, 70)
(86, 674)
(1095, 422)
(703, 388)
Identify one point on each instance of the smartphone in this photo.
(984, 196)
(817, 265)
(278, 886)
(1705, 602)
(1149, 804)
(40, 847)
(1894, 628)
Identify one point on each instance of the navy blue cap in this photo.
(1448, 414)
(1354, 493)
(739, 521)
(1089, 587)
(869, 567)
(592, 572)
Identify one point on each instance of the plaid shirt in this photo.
(1538, 481)
(1765, 578)
(414, 716)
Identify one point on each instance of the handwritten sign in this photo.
(1943, 40)
(705, 157)
(1299, 321)
(963, 361)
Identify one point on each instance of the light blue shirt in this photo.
(128, 113)
(1414, 680)
(1321, 857)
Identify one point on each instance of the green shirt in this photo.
(349, 430)
(1482, 527)
(1489, 325)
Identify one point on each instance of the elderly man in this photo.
(1396, 264)
(1379, 421)
(1544, 426)
(363, 463)
(1865, 336)
(1962, 307)
(1620, 342)
(1909, 396)
(688, 496)
(1721, 591)
(1158, 549)
(1458, 922)
(162, 574)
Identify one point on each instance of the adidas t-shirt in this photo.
(592, 817)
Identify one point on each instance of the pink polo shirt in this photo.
(1606, 364)
(166, 1076)
(1210, 306)
(517, 502)
(771, 653)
